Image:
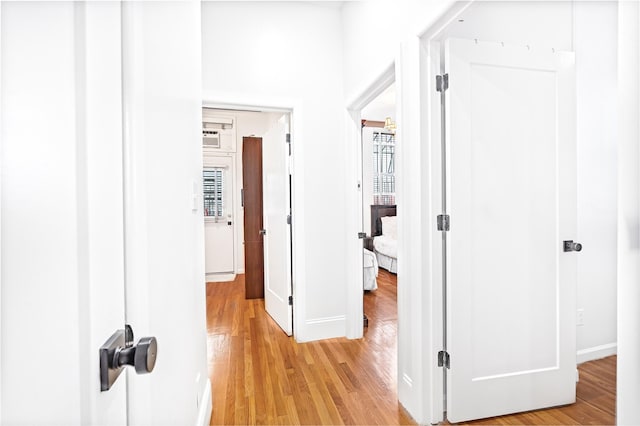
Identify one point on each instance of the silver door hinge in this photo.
(362, 235)
(442, 82)
(290, 300)
(289, 142)
(444, 222)
(443, 359)
(288, 219)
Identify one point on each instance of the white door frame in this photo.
(628, 219)
(628, 200)
(297, 200)
(419, 317)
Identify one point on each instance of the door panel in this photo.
(277, 241)
(253, 239)
(511, 301)
(164, 229)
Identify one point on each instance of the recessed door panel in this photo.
(511, 301)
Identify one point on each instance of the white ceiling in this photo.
(381, 107)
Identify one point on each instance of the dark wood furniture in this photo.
(378, 211)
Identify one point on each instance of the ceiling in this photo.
(381, 107)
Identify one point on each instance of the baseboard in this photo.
(204, 413)
(322, 328)
(596, 352)
(216, 278)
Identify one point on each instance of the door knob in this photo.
(569, 245)
(141, 356)
(119, 351)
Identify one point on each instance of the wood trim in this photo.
(372, 123)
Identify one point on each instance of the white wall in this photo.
(628, 394)
(288, 55)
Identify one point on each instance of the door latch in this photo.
(569, 245)
(119, 351)
(262, 232)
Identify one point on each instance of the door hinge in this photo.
(362, 235)
(443, 359)
(442, 82)
(290, 300)
(444, 222)
(289, 142)
(288, 219)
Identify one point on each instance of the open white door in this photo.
(277, 211)
(164, 226)
(512, 191)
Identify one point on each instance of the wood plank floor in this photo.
(595, 405)
(261, 376)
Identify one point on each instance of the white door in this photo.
(218, 215)
(164, 229)
(512, 191)
(276, 208)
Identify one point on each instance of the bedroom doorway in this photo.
(378, 177)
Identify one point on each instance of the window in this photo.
(384, 180)
(213, 192)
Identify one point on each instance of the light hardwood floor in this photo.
(261, 376)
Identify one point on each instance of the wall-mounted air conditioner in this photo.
(210, 138)
(218, 132)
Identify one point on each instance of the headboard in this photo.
(378, 211)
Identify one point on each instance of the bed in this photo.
(384, 231)
(370, 271)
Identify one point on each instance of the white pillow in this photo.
(390, 226)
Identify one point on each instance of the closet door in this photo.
(512, 191)
(253, 220)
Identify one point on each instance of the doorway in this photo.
(263, 216)
(379, 209)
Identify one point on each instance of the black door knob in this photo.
(569, 245)
(141, 356)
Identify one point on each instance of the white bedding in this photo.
(370, 270)
(386, 245)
